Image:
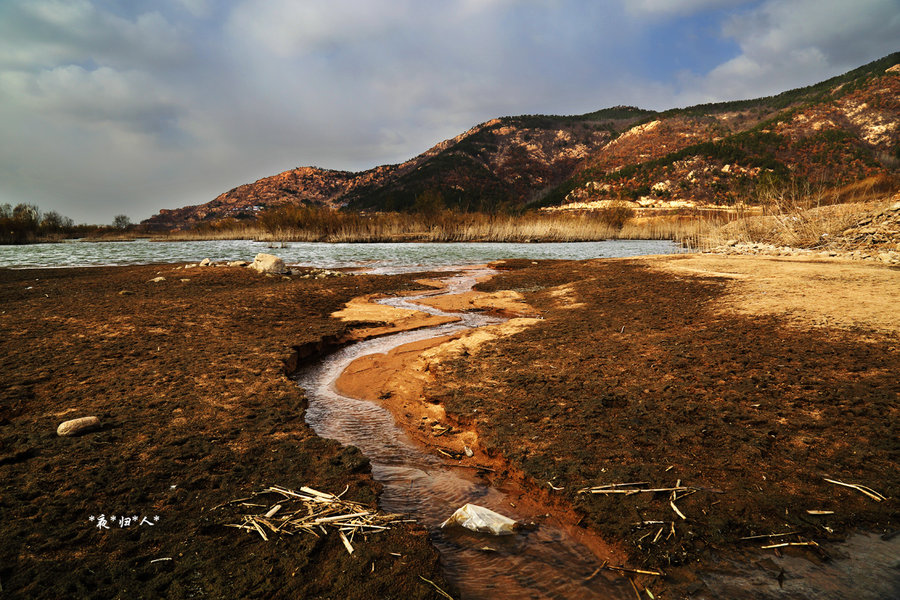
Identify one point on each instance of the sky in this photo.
(112, 107)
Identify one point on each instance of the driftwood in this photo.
(313, 512)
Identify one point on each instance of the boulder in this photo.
(205, 262)
(77, 426)
(268, 263)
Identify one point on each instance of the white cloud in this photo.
(45, 33)
(791, 43)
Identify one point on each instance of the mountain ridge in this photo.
(834, 132)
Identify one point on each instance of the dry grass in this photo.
(293, 224)
(802, 216)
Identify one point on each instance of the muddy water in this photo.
(543, 563)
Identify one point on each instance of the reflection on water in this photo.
(379, 258)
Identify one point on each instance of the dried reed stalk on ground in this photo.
(311, 511)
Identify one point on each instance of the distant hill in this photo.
(829, 135)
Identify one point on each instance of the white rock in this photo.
(268, 263)
(205, 262)
(76, 426)
(157, 280)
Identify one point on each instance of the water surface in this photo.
(379, 258)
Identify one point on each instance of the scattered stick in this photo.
(437, 587)
(346, 542)
(677, 512)
(770, 535)
(634, 571)
(785, 544)
(634, 587)
(156, 560)
(859, 488)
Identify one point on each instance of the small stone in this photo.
(205, 262)
(157, 280)
(468, 451)
(185, 280)
(126, 293)
(77, 426)
(238, 263)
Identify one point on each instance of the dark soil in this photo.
(188, 382)
(635, 379)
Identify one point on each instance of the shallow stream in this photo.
(542, 563)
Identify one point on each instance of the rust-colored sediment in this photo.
(397, 379)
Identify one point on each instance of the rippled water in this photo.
(381, 258)
(543, 563)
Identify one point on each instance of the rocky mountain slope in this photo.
(828, 135)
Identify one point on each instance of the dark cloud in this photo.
(135, 106)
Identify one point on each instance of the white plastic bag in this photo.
(481, 519)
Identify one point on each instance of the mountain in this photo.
(828, 135)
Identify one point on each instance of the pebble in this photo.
(77, 426)
(157, 280)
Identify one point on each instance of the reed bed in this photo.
(310, 225)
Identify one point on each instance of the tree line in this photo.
(27, 224)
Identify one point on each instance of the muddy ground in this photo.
(186, 376)
(750, 381)
(676, 372)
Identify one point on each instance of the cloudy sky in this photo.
(129, 106)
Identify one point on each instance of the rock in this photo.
(157, 280)
(238, 263)
(468, 451)
(268, 263)
(77, 426)
(126, 293)
(185, 280)
(205, 262)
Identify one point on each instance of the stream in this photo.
(545, 562)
